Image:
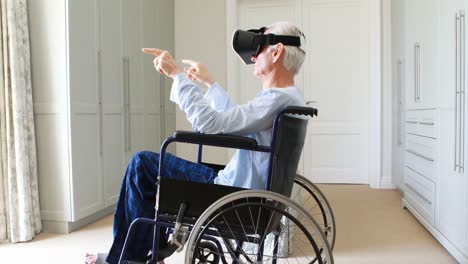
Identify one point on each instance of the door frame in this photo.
(375, 80)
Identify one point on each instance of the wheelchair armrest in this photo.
(300, 110)
(219, 140)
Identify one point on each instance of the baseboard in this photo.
(452, 249)
(63, 227)
(386, 183)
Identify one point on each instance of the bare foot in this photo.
(90, 258)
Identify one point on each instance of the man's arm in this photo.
(244, 119)
(218, 98)
(255, 116)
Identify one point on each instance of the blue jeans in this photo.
(137, 199)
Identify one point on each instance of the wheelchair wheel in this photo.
(207, 253)
(309, 196)
(260, 227)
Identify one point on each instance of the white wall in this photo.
(200, 34)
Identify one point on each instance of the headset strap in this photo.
(272, 39)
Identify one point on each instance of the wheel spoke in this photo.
(243, 229)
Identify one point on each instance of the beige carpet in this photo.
(371, 228)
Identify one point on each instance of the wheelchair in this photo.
(290, 221)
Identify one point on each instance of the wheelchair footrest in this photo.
(179, 237)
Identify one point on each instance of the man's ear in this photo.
(277, 53)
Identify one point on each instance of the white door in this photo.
(336, 79)
(111, 63)
(334, 76)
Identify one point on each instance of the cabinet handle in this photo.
(427, 123)
(417, 72)
(411, 122)
(126, 105)
(462, 92)
(100, 110)
(418, 194)
(457, 19)
(127, 100)
(400, 71)
(419, 155)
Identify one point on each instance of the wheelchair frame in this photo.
(220, 140)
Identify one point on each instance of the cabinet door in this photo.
(452, 203)
(142, 87)
(452, 213)
(428, 53)
(412, 37)
(421, 53)
(87, 183)
(111, 71)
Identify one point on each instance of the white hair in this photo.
(294, 56)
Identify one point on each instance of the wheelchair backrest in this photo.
(287, 143)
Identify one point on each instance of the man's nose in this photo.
(253, 59)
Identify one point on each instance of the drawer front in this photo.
(420, 193)
(421, 166)
(423, 147)
(427, 123)
(422, 122)
(412, 127)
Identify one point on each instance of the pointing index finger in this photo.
(153, 51)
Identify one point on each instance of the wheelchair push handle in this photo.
(300, 110)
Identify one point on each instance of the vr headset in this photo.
(250, 43)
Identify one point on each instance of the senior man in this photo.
(278, 58)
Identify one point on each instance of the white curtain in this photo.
(19, 196)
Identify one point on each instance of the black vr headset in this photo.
(250, 43)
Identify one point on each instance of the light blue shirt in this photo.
(215, 113)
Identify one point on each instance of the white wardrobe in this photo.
(430, 57)
(97, 99)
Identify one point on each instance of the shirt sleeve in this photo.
(244, 119)
(218, 98)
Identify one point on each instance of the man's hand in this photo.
(164, 63)
(198, 72)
